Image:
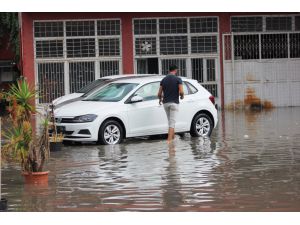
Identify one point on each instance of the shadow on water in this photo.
(250, 163)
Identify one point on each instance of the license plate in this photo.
(60, 129)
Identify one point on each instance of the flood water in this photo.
(250, 163)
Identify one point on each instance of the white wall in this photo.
(276, 81)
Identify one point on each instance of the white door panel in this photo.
(146, 118)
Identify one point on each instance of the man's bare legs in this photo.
(171, 135)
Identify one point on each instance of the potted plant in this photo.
(23, 144)
(56, 138)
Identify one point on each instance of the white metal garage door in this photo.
(262, 69)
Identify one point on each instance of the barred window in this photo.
(197, 69)
(295, 45)
(50, 81)
(297, 22)
(211, 69)
(274, 46)
(108, 27)
(80, 28)
(246, 46)
(181, 63)
(48, 29)
(83, 47)
(173, 45)
(278, 23)
(108, 68)
(246, 24)
(204, 44)
(173, 26)
(203, 25)
(49, 49)
(145, 26)
(81, 74)
(212, 88)
(109, 47)
(145, 46)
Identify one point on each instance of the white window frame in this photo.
(188, 56)
(66, 60)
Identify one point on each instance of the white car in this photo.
(130, 108)
(90, 88)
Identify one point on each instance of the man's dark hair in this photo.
(173, 67)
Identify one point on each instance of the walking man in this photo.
(168, 94)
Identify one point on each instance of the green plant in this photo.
(9, 24)
(24, 145)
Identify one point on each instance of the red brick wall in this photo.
(127, 36)
(5, 51)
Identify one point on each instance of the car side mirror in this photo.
(136, 98)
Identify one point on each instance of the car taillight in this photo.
(212, 99)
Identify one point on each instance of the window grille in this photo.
(295, 45)
(145, 46)
(108, 68)
(246, 46)
(48, 29)
(173, 45)
(80, 28)
(49, 49)
(81, 74)
(297, 23)
(203, 25)
(274, 46)
(197, 69)
(211, 69)
(246, 24)
(212, 88)
(108, 27)
(204, 44)
(83, 47)
(173, 26)
(181, 63)
(50, 81)
(279, 23)
(109, 47)
(145, 26)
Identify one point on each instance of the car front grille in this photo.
(64, 120)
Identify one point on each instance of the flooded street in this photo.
(250, 163)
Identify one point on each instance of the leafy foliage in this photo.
(23, 145)
(9, 24)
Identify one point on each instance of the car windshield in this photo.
(112, 93)
(92, 85)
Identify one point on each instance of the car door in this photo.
(147, 117)
(185, 109)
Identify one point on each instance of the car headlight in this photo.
(84, 118)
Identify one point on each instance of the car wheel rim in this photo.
(112, 134)
(203, 126)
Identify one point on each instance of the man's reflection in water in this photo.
(172, 197)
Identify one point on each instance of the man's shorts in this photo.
(172, 111)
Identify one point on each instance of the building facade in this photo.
(241, 58)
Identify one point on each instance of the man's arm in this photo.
(181, 93)
(159, 94)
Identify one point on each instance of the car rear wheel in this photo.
(201, 126)
(111, 133)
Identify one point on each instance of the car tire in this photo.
(110, 133)
(201, 126)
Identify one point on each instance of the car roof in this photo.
(125, 76)
(144, 79)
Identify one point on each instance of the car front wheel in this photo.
(201, 126)
(110, 133)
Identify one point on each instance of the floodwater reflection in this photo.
(250, 163)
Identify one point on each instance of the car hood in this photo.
(66, 98)
(79, 108)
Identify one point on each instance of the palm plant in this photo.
(23, 145)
